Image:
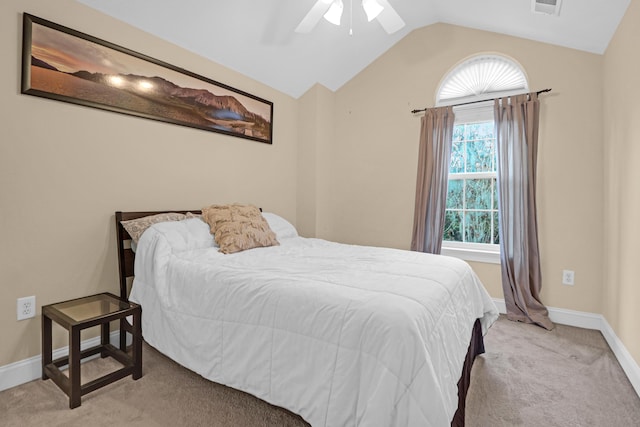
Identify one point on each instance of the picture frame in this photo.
(67, 65)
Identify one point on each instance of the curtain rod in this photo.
(475, 102)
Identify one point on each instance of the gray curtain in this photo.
(516, 120)
(434, 156)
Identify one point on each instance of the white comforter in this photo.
(342, 335)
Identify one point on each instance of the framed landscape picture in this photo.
(67, 65)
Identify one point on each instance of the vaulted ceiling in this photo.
(257, 37)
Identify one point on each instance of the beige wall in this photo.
(372, 185)
(65, 169)
(622, 181)
(342, 167)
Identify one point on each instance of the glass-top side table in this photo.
(82, 313)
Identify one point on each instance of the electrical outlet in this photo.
(568, 277)
(26, 307)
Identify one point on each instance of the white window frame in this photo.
(479, 252)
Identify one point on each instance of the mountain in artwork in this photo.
(158, 96)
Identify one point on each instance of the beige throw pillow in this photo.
(238, 227)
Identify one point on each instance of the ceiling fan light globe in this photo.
(372, 8)
(334, 14)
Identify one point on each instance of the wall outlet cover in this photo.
(26, 307)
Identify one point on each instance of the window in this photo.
(471, 216)
(472, 200)
(481, 77)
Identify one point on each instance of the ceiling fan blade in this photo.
(315, 14)
(389, 18)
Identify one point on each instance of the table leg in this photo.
(74, 367)
(123, 334)
(47, 356)
(137, 344)
(104, 337)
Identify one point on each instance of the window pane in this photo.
(452, 226)
(478, 227)
(472, 157)
(494, 183)
(472, 131)
(454, 194)
(458, 133)
(457, 157)
(496, 233)
(480, 155)
(478, 193)
(485, 130)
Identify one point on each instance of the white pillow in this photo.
(283, 228)
(188, 234)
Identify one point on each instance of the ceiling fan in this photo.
(332, 12)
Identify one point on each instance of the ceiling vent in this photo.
(548, 7)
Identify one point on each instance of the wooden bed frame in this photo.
(126, 258)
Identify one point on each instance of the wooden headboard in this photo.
(126, 256)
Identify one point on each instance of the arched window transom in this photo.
(482, 77)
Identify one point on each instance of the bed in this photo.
(339, 334)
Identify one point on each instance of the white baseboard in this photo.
(30, 369)
(585, 320)
(628, 363)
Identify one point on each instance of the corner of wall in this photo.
(315, 127)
